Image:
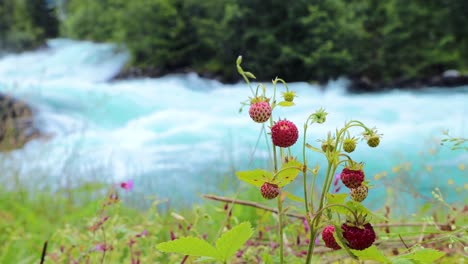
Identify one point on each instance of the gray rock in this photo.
(451, 74)
(16, 123)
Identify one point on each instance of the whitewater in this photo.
(182, 135)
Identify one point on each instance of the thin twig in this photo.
(260, 206)
(248, 203)
(403, 241)
(401, 224)
(44, 251)
(422, 233)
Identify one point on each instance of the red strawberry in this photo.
(358, 238)
(269, 190)
(260, 111)
(284, 133)
(328, 238)
(352, 178)
(359, 194)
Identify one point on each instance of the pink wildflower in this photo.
(100, 247)
(128, 185)
(306, 225)
(336, 183)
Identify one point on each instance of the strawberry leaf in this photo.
(361, 209)
(255, 177)
(334, 198)
(288, 172)
(205, 259)
(191, 246)
(231, 241)
(309, 146)
(285, 103)
(250, 75)
(402, 261)
(293, 197)
(371, 253)
(425, 255)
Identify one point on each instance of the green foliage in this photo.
(25, 24)
(226, 245)
(304, 40)
(371, 253)
(255, 177)
(455, 142)
(288, 172)
(233, 240)
(423, 256)
(191, 246)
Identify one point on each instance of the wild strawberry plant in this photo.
(345, 223)
(341, 219)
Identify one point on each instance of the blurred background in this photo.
(111, 90)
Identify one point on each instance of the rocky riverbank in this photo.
(448, 79)
(16, 123)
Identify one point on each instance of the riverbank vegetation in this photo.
(384, 42)
(79, 228)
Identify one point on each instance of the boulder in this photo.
(16, 123)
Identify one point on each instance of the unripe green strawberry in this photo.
(349, 145)
(373, 141)
(359, 194)
(284, 133)
(260, 112)
(372, 137)
(328, 238)
(269, 190)
(289, 96)
(327, 146)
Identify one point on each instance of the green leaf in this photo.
(285, 103)
(425, 255)
(335, 198)
(313, 148)
(402, 261)
(239, 69)
(191, 246)
(359, 208)
(255, 177)
(232, 240)
(293, 197)
(205, 259)
(250, 75)
(288, 172)
(239, 60)
(371, 253)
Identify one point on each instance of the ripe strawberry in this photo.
(260, 111)
(352, 178)
(349, 145)
(269, 190)
(328, 238)
(284, 133)
(373, 141)
(358, 237)
(359, 194)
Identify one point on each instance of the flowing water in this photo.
(183, 135)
